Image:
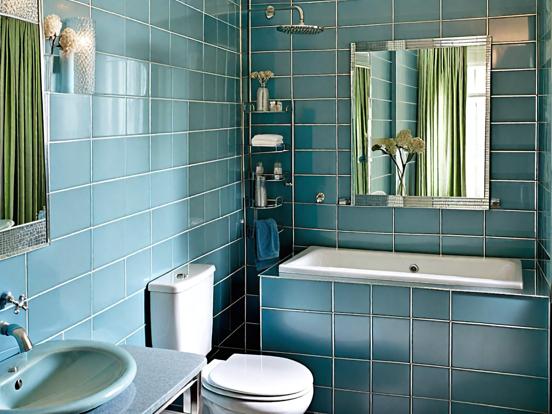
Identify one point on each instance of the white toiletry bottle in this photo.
(261, 199)
(278, 172)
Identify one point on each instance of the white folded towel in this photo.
(267, 140)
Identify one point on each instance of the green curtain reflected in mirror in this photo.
(442, 94)
(22, 152)
(360, 132)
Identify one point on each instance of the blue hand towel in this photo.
(267, 241)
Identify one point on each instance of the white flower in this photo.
(262, 76)
(52, 26)
(68, 41)
(404, 138)
(417, 146)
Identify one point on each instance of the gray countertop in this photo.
(161, 375)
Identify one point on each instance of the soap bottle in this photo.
(261, 199)
(278, 172)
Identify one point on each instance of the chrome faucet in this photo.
(19, 333)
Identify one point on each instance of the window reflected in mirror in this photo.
(420, 113)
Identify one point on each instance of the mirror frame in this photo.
(461, 203)
(34, 235)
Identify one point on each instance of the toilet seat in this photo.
(258, 378)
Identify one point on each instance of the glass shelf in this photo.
(270, 177)
(272, 203)
(249, 107)
(268, 150)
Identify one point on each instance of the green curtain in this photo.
(360, 129)
(442, 95)
(23, 172)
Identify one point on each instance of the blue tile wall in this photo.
(145, 174)
(450, 351)
(314, 72)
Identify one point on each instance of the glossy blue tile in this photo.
(352, 298)
(430, 342)
(514, 56)
(430, 304)
(491, 349)
(311, 335)
(465, 9)
(108, 116)
(76, 121)
(500, 390)
(119, 321)
(391, 301)
(416, 220)
(417, 244)
(498, 309)
(409, 11)
(506, 7)
(366, 219)
(391, 378)
(69, 211)
(391, 339)
(352, 375)
(430, 382)
(69, 156)
(351, 402)
(352, 336)
(462, 222)
(108, 286)
(296, 294)
(320, 367)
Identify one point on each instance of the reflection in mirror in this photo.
(23, 181)
(420, 113)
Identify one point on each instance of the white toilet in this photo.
(181, 307)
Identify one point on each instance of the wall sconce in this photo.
(85, 54)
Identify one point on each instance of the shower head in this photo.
(300, 28)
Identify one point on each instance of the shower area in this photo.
(270, 134)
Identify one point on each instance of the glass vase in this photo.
(67, 72)
(48, 72)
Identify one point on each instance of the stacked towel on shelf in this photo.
(267, 140)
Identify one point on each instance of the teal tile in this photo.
(514, 137)
(430, 382)
(364, 12)
(510, 223)
(463, 408)
(296, 294)
(69, 211)
(412, 10)
(417, 220)
(352, 375)
(351, 402)
(352, 298)
(416, 30)
(138, 9)
(465, 9)
(137, 83)
(391, 338)
(428, 406)
(430, 304)
(430, 343)
(109, 116)
(500, 390)
(386, 404)
(305, 237)
(391, 301)
(312, 336)
(374, 219)
(315, 112)
(352, 336)
(502, 109)
(506, 7)
(70, 156)
(462, 222)
(348, 35)
(315, 216)
(309, 186)
(513, 166)
(111, 74)
(391, 378)
(383, 242)
(490, 349)
(302, 60)
(514, 56)
(110, 32)
(320, 367)
(463, 246)
(510, 248)
(514, 195)
(460, 28)
(108, 159)
(498, 309)
(514, 83)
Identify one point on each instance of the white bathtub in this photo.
(328, 263)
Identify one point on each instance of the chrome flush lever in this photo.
(8, 298)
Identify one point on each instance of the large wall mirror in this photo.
(23, 135)
(420, 123)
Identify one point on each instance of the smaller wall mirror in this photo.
(420, 123)
(23, 134)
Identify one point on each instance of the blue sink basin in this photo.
(64, 377)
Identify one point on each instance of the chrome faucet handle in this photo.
(21, 303)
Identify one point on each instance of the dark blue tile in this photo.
(321, 367)
(352, 298)
(300, 332)
(296, 294)
(391, 339)
(430, 342)
(352, 375)
(321, 401)
(391, 378)
(386, 404)
(499, 309)
(417, 244)
(351, 402)
(460, 408)
(417, 220)
(463, 222)
(430, 304)
(517, 351)
(352, 336)
(430, 382)
(368, 241)
(427, 406)
(391, 301)
(510, 391)
(373, 219)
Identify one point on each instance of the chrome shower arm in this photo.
(270, 11)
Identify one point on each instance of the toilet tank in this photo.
(181, 309)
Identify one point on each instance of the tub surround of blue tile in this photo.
(399, 347)
(126, 204)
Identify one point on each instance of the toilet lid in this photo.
(260, 375)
